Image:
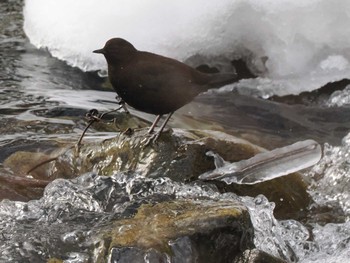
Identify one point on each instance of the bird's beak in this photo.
(99, 51)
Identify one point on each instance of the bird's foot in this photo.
(151, 138)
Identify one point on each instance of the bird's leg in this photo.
(164, 124)
(151, 129)
(155, 136)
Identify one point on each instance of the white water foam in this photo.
(306, 43)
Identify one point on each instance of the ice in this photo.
(66, 220)
(331, 244)
(267, 165)
(332, 181)
(339, 98)
(307, 43)
(270, 235)
(291, 240)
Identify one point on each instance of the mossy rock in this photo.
(208, 230)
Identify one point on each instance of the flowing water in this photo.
(43, 101)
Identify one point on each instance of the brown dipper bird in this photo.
(155, 84)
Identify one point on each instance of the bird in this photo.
(153, 83)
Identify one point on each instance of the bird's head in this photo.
(117, 50)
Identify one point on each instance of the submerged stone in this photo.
(182, 231)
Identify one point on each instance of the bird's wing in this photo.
(159, 82)
(163, 76)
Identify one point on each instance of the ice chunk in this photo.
(339, 98)
(268, 165)
(331, 177)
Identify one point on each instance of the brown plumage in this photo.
(155, 84)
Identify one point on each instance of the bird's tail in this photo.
(221, 79)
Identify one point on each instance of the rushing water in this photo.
(42, 101)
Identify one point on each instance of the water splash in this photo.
(64, 222)
(269, 234)
(331, 176)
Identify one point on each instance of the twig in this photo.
(94, 116)
(41, 163)
(23, 181)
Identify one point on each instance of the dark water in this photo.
(269, 123)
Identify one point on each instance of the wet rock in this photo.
(21, 162)
(182, 231)
(115, 121)
(128, 218)
(289, 193)
(16, 184)
(37, 165)
(121, 121)
(179, 155)
(17, 192)
(25, 175)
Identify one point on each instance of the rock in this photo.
(38, 165)
(178, 154)
(182, 231)
(181, 157)
(21, 162)
(129, 218)
(289, 193)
